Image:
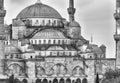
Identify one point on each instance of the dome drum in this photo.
(43, 22)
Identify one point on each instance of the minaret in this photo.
(117, 33)
(71, 10)
(2, 15)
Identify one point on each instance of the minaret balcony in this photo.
(117, 37)
(71, 10)
(117, 16)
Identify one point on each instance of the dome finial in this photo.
(38, 1)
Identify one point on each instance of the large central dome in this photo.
(39, 10)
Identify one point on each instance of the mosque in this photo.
(40, 46)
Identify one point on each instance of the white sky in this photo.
(94, 16)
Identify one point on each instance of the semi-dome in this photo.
(39, 10)
(49, 34)
(10, 49)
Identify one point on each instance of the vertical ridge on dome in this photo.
(38, 1)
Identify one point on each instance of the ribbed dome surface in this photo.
(49, 34)
(39, 10)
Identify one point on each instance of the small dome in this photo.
(74, 24)
(102, 46)
(49, 34)
(39, 10)
(94, 48)
(10, 49)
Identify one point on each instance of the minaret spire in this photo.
(91, 38)
(71, 10)
(117, 33)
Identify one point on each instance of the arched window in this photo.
(54, 22)
(50, 53)
(38, 81)
(11, 56)
(50, 81)
(49, 41)
(44, 41)
(35, 41)
(63, 42)
(24, 81)
(49, 22)
(78, 80)
(54, 42)
(68, 80)
(58, 53)
(70, 54)
(43, 22)
(37, 22)
(45, 81)
(17, 56)
(55, 80)
(39, 41)
(58, 41)
(61, 80)
(84, 80)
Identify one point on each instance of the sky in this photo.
(94, 16)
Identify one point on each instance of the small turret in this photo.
(71, 10)
(103, 48)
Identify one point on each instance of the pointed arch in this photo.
(45, 80)
(55, 80)
(77, 70)
(24, 81)
(15, 69)
(60, 68)
(38, 81)
(84, 80)
(68, 80)
(78, 80)
(62, 80)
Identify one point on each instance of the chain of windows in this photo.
(45, 22)
(58, 53)
(13, 56)
(50, 41)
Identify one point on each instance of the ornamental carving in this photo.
(78, 71)
(15, 69)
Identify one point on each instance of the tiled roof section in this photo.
(18, 23)
(48, 47)
(39, 10)
(49, 34)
